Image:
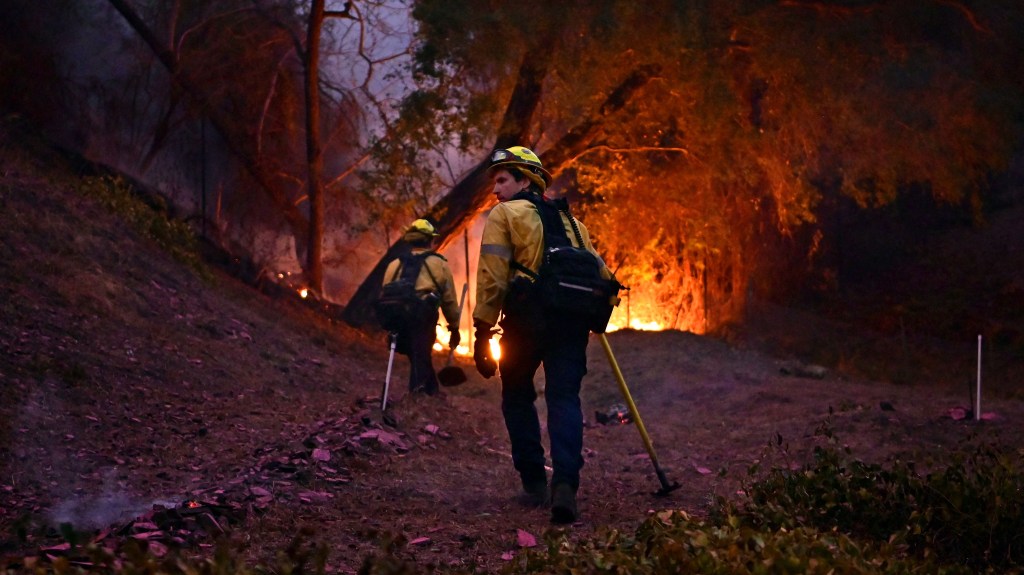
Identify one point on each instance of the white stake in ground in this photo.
(977, 401)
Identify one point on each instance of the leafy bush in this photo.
(173, 236)
(673, 542)
(969, 512)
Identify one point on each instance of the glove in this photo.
(485, 364)
(454, 339)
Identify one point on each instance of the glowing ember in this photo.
(495, 349)
(192, 504)
(303, 293)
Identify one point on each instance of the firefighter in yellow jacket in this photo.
(435, 285)
(513, 239)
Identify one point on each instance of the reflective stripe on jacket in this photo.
(434, 268)
(513, 232)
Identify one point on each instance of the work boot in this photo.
(535, 494)
(563, 504)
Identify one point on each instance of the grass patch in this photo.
(173, 236)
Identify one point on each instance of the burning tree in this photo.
(713, 180)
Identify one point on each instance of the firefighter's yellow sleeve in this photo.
(513, 232)
(392, 271)
(438, 267)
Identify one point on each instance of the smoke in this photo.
(94, 511)
(41, 422)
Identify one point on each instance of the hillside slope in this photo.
(141, 401)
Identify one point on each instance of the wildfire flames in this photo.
(463, 349)
(637, 324)
(621, 319)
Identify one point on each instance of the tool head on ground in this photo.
(451, 375)
(666, 487)
(388, 418)
(523, 160)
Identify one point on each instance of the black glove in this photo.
(454, 339)
(485, 364)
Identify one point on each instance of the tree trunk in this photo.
(314, 151)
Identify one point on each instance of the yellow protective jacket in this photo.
(513, 232)
(434, 269)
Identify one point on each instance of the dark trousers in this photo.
(417, 342)
(562, 348)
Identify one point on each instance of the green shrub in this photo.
(968, 512)
(673, 542)
(173, 236)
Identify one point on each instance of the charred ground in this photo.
(130, 380)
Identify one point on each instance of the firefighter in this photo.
(434, 285)
(513, 239)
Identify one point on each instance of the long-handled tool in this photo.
(387, 378)
(666, 487)
(451, 375)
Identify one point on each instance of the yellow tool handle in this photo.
(629, 399)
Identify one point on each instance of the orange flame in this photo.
(441, 342)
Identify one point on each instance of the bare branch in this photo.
(345, 12)
(348, 171)
(605, 148)
(971, 17)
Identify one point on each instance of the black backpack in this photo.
(570, 280)
(399, 304)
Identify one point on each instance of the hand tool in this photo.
(666, 487)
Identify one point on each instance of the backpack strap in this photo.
(426, 255)
(411, 264)
(562, 205)
(549, 211)
(554, 230)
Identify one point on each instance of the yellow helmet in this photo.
(420, 229)
(525, 161)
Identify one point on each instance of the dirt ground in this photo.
(133, 391)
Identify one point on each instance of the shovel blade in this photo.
(451, 376)
(666, 490)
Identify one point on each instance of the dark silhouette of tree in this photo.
(261, 51)
(222, 117)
